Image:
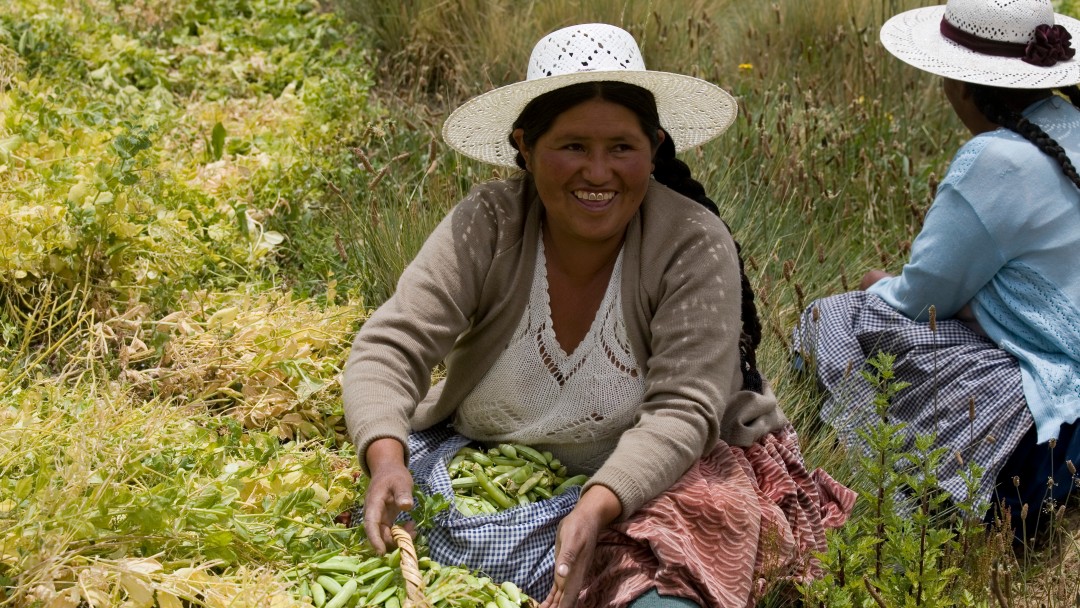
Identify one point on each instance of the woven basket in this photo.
(410, 571)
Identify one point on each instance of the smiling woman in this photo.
(594, 307)
(591, 169)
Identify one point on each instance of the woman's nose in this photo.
(597, 169)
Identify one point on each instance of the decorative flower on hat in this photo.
(1050, 45)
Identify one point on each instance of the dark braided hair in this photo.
(540, 114)
(991, 102)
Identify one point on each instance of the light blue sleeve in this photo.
(952, 258)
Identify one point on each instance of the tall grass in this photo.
(827, 172)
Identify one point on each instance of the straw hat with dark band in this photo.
(1018, 44)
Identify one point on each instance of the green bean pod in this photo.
(379, 586)
(464, 483)
(492, 490)
(318, 594)
(531, 454)
(530, 483)
(374, 574)
(481, 459)
(343, 596)
(576, 480)
(380, 598)
(328, 583)
(393, 559)
(512, 591)
(339, 563)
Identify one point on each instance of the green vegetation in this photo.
(200, 201)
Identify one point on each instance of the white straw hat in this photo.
(993, 42)
(692, 111)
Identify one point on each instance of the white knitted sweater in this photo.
(575, 405)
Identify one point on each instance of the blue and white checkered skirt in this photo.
(514, 545)
(964, 390)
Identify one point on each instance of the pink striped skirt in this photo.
(740, 520)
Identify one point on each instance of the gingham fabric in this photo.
(953, 372)
(514, 545)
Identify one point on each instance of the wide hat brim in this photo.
(915, 38)
(692, 111)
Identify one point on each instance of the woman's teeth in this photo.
(594, 196)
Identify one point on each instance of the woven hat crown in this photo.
(591, 47)
(1000, 20)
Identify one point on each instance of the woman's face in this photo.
(591, 169)
(963, 104)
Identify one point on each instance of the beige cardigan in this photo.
(464, 293)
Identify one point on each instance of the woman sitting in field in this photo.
(593, 306)
(995, 377)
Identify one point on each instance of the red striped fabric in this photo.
(740, 520)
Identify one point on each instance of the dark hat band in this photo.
(1049, 45)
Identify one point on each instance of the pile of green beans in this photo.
(506, 476)
(344, 581)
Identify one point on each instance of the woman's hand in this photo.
(389, 491)
(576, 541)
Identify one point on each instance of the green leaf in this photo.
(217, 545)
(217, 141)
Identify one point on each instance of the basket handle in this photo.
(410, 570)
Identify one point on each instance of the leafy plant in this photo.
(910, 547)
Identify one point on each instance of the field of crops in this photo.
(201, 201)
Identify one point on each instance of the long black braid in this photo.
(991, 103)
(675, 174)
(540, 113)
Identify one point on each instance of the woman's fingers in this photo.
(375, 517)
(575, 543)
(573, 554)
(572, 572)
(389, 493)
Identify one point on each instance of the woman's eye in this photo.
(576, 147)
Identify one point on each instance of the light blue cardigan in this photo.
(1003, 234)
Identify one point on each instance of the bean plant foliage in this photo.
(170, 420)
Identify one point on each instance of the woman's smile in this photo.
(594, 201)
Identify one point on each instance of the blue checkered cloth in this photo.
(953, 372)
(514, 545)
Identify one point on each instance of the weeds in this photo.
(911, 546)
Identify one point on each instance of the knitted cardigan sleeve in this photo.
(685, 316)
(389, 367)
